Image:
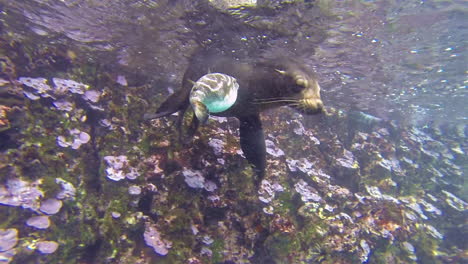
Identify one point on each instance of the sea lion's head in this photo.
(300, 87)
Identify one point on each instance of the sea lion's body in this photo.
(263, 84)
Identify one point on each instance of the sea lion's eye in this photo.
(301, 82)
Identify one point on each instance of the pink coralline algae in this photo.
(79, 138)
(47, 247)
(68, 190)
(21, 193)
(51, 206)
(119, 169)
(39, 222)
(154, 240)
(8, 239)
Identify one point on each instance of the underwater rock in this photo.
(409, 248)
(417, 208)
(7, 256)
(21, 193)
(307, 193)
(300, 130)
(8, 239)
(374, 191)
(430, 208)
(47, 247)
(267, 191)
(153, 239)
(272, 149)
(39, 222)
(206, 252)
(134, 190)
(226, 4)
(433, 232)
(217, 145)
(302, 164)
(31, 96)
(207, 240)
(210, 186)
(455, 202)
(63, 105)
(51, 206)
(3, 82)
(115, 215)
(348, 160)
(38, 84)
(194, 179)
(121, 80)
(68, 190)
(62, 86)
(269, 210)
(365, 251)
(4, 122)
(92, 95)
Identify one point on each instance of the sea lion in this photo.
(263, 84)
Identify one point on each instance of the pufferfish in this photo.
(213, 93)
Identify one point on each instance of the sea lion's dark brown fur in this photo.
(263, 84)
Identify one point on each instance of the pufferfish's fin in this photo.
(253, 144)
(201, 111)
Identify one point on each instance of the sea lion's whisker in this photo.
(275, 98)
(276, 101)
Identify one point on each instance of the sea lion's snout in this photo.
(312, 105)
(311, 102)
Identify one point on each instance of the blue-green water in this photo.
(378, 177)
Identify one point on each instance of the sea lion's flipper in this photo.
(253, 143)
(175, 102)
